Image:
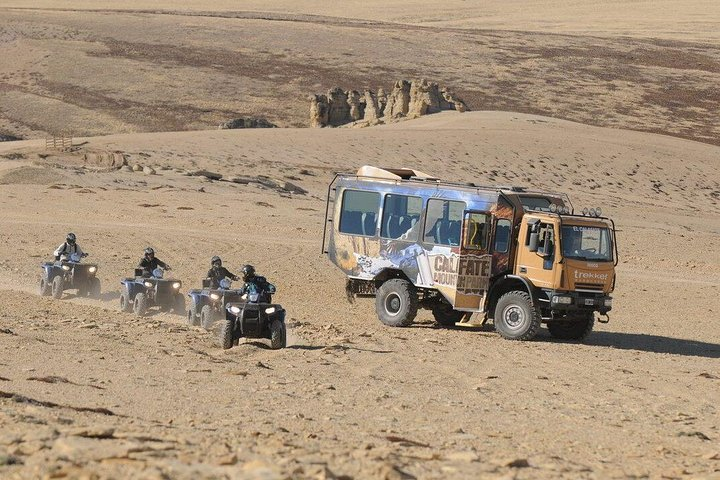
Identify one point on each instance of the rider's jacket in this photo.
(260, 285)
(65, 250)
(217, 274)
(149, 265)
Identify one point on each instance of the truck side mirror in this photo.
(534, 238)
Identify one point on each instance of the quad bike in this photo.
(70, 274)
(208, 305)
(141, 293)
(254, 317)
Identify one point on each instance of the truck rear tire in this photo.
(515, 316)
(57, 287)
(140, 304)
(226, 334)
(578, 328)
(396, 303)
(445, 315)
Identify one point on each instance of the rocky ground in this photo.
(87, 391)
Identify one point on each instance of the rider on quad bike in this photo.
(149, 263)
(217, 272)
(67, 248)
(258, 284)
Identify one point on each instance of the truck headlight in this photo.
(215, 296)
(148, 284)
(561, 299)
(270, 310)
(92, 269)
(66, 267)
(608, 302)
(176, 285)
(235, 310)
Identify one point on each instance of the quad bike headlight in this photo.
(176, 285)
(92, 269)
(215, 296)
(66, 267)
(148, 284)
(235, 310)
(270, 310)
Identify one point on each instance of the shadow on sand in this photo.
(654, 344)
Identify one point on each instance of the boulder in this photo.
(339, 111)
(398, 100)
(247, 122)
(149, 171)
(382, 101)
(319, 110)
(424, 98)
(207, 174)
(372, 111)
(137, 168)
(357, 107)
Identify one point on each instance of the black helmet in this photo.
(149, 252)
(215, 260)
(70, 238)
(248, 272)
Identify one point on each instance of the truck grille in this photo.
(589, 286)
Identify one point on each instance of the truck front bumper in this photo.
(574, 301)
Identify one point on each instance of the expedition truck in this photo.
(518, 257)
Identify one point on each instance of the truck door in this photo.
(475, 261)
(536, 252)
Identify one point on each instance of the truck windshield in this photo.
(587, 243)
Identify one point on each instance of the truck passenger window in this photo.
(476, 231)
(401, 217)
(359, 212)
(502, 236)
(443, 222)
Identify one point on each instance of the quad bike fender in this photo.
(133, 288)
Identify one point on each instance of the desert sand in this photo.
(619, 109)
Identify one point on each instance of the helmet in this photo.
(215, 260)
(248, 272)
(70, 238)
(149, 252)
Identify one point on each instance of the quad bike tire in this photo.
(140, 304)
(278, 335)
(126, 304)
(578, 328)
(45, 287)
(445, 315)
(208, 316)
(93, 290)
(396, 303)
(192, 314)
(58, 285)
(226, 335)
(179, 303)
(516, 318)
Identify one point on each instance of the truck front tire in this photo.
(396, 303)
(515, 316)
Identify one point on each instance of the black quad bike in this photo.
(254, 317)
(141, 293)
(208, 305)
(70, 274)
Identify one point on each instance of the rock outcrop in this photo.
(247, 122)
(405, 100)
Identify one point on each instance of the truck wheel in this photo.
(57, 287)
(445, 315)
(94, 288)
(126, 305)
(45, 287)
(515, 316)
(207, 317)
(179, 304)
(140, 304)
(192, 314)
(396, 303)
(278, 335)
(577, 328)
(226, 335)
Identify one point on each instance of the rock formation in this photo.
(405, 100)
(248, 122)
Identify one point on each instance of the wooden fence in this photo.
(58, 143)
